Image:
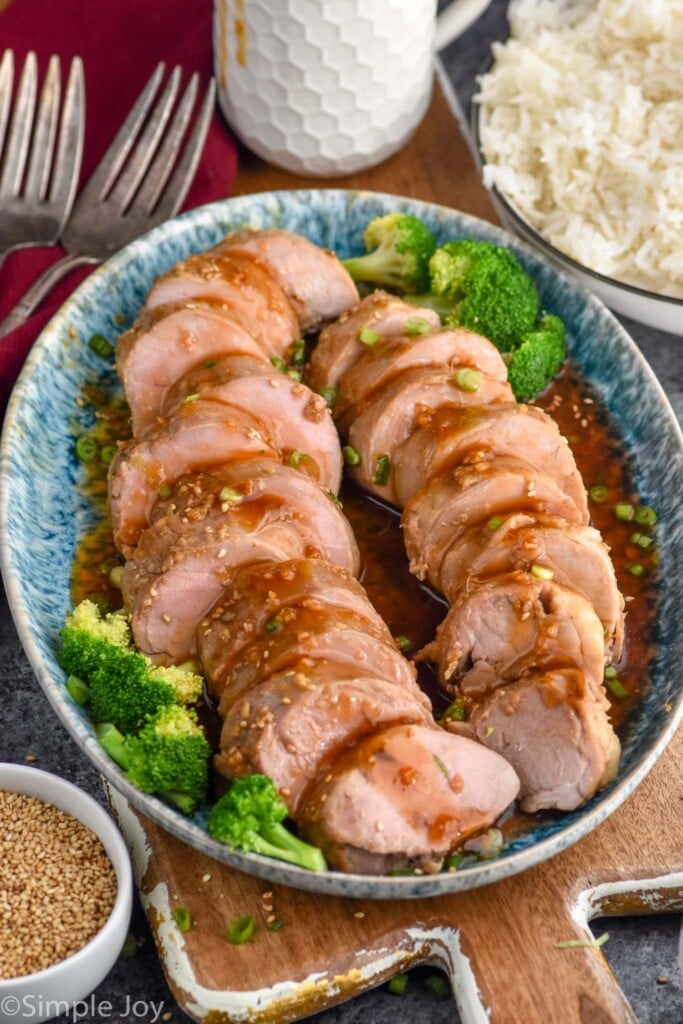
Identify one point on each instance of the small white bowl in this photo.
(49, 993)
(662, 312)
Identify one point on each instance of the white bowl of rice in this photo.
(579, 131)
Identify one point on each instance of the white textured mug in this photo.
(329, 87)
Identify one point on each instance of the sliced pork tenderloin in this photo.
(553, 728)
(405, 797)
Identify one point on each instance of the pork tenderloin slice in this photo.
(392, 415)
(553, 729)
(165, 344)
(576, 555)
(289, 415)
(339, 345)
(458, 434)
(199, 435)
(439, 514)
(369, 811)
(384, 360)
(181, 566)
(327, 531)
(314, 280)
(292, 730)
(500, 628)
(239, 286)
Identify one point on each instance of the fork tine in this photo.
(70, 143)
(20, 130)
(44, 133)
(178, 186)
(160, 170)
(6, 80)
(146, 147)
(109, 166)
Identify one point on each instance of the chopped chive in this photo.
(456, 712)
(368, 337)
(645, 516)
(416, 325)
(467, 379)
(437, 987)
(294, 374)
(101, 345)
(330, 395)
(274, 625)
(382, 470)
(278, 363)
(107, 453)
(165, 491)
(642, 540)
(635, 568)
(598, 493)
(130, 946)
(583, 943)
(615, 687)
(624, 512)
(297, 457)
(240, 930)
(397, 985)
(209, 363)
(78, 690)
(188, 399)
(542, 572)
(298, 356)
(229, 496)
(441, 766)
(183, 918)
(403, 643)
(86, 449)
(351, 456)
(333, 498)
(495, 523)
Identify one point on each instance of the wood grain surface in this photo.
(498, 944)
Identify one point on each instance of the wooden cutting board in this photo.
(497, 944)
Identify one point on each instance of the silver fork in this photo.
(128, 193)
(40, 156)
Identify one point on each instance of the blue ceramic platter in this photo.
(42, 515)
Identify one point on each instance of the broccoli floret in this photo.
(123, 685)
(538, 359)
(488, 289)
(399, 248)
(250, 815)
(169, 756)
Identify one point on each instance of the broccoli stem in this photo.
(114, 742)
(185, 802)
(276, 841)
(376, 266)
(439, 303)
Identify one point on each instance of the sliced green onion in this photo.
(165, 491)
(453, 862)
(333, 498)
(495, 523)
(487, 731)
(441, 766)
(403, 643)
(382, 470)
(642, 540)
(368, 337)
(78, 690)
(229, 496)
(598, 493)
(467, 379)
(297, 457)
(107, 453)
(542, 572)
(624, 512)
(635, 568)
(189, 399)
(416, 325)
(330, 395)
(116, 577)
(437, 987)
(240, 930)
(397, 985)
(130, 946)
(616, 688)
(101, 345)
(457, 711)
(209, 363)
(298, 356)
(294, 374)
(278, 363)
(610, 672)
(645, 516)
(351, 456)
(183, 918)
(87, 450)
(583, 943)
(276, 925)
(274, 625)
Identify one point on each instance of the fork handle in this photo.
(40, 288)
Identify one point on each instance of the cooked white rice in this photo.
(582, 130)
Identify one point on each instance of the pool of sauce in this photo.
(411, 609)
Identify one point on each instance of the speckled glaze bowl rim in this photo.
(179, 232)
(663, 312)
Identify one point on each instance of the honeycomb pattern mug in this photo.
(329, 87)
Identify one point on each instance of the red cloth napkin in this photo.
(120, 41)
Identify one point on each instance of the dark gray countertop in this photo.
(641, 951)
